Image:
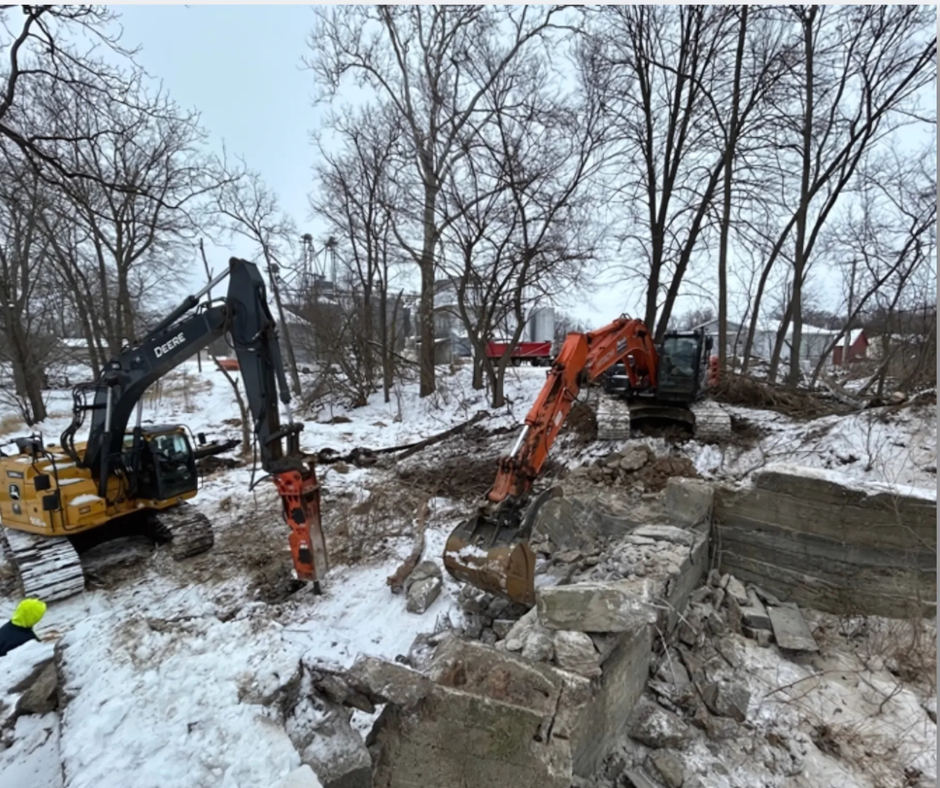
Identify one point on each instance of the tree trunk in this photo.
(726, 207)
(478, 383)
(427, 265)
(799, 263)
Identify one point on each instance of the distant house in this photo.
(735, 338)
(858, 347)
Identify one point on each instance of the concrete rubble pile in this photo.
(534, 697)
(696, 693)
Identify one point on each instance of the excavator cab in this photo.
(162, 462)
(682, 361)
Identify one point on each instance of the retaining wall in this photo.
(826, 542)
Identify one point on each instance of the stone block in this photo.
(599, 607)
(388, 682)
(575, 651)
(689, 502)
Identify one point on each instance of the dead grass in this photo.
(10, 423)
(178, 385)
(369, 529)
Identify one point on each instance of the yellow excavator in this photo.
(56, 498)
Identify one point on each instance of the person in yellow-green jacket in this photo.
(19, 629)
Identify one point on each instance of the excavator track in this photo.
(616, 418)
(711, 421)
(187, 529)
(48, 566)
(613, 419)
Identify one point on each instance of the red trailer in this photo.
(538, 354)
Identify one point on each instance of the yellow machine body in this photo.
(80, 508)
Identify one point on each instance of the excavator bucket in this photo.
(491, 551)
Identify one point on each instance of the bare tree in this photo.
(253, 212)
(24, 294)
(678, 123)
(858, 78)
(887, 241)
(357, 197)
(518, 208)
(435, 66)
(136, 232)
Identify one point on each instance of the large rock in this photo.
(597, 607)
(727, 699)
(423, 586)
(668, 766)
(575, 651)
(388, 682)
(634, 457)
(656, 727)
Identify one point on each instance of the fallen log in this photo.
(397, 581)
(363, 457)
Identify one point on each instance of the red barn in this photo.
(858, 347)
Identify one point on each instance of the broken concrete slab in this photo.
(688, 501)
(388, 682)
(575, 651)
(335, 751)
(556, 521)
(790, 630)
(488, 713)
(754, 614)
(735, 588)
(598, 607)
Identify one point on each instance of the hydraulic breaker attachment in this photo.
(300, 494)
(491, 551)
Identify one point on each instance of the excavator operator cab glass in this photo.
(167, 466)
(678, 366)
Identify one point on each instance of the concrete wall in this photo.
(811, 537)
(604, 721)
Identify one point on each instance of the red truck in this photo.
(538, 354)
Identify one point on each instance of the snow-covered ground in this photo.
(170, 666)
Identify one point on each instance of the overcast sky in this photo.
(240, 67)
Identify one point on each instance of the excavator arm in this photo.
(243, 314)
(583, 357)
(491, 550)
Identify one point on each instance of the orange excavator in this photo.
(491, 551)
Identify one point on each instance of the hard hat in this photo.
(29, 612)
